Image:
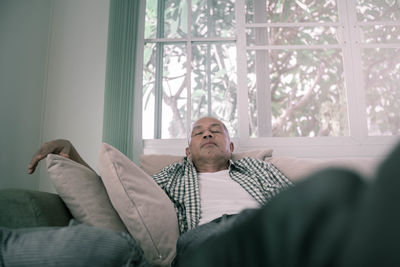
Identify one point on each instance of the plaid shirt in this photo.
(261, 179)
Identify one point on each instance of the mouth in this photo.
(207, 144)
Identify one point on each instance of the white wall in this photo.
(24, 31)
(74, 94)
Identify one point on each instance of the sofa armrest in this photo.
(26, 208)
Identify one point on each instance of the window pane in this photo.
(174, 105)
(293, 11)
(307, 93)
(292, 36)
(175, 18)
(150, 26)
(213, 18)
(382, 81)
(380, 34)
(373, 10)
(174, 21)
(252, 92)
(214, 86)
(149, 71)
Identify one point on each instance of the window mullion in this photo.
(264, 116)
(194, 40)
(291, 24)
(378, 22)
(242, 91)
(208, 56)
(158, 91)
(189, 67)
(353, 71)
(158, 94)
(293, 47)
(208, 79)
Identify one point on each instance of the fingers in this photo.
(65, 151)
(31, 169)
(65, 155)
(34, 162)
(61, 147)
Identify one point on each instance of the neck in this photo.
(211, 166)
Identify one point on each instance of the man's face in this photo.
(209, 139)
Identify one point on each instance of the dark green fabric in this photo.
(303, 226)
(26, 208)
(334, 218)
(375, 237)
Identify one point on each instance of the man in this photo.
(208, 188)
(208, 184)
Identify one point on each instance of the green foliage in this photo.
(382, 81)
(151, 19)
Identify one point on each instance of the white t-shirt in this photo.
(220, 195)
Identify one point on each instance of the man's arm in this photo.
(174, 171)
(60, 147)
(164, 175)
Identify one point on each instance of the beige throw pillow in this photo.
(142, 205)
(83, 193)
(154, 163)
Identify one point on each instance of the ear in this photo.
(232, 147)
(187, 152)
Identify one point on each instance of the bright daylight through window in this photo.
(294, 68)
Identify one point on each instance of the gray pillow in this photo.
(83, 193)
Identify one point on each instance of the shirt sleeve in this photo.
(283, 179)
(163, 176)
(273, 179)
(165, 180)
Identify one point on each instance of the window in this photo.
(189, 65)
(378, 41)
(277, 72)
(295, 69)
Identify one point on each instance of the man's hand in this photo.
(61, 147)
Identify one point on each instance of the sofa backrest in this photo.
(154, 163)
(298, 169)
(294, 168)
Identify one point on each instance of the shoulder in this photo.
(173, 169)
(251, 162)
(263, 169)
(255, 165)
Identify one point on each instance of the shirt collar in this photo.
(190, 162)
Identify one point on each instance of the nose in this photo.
(207, 134)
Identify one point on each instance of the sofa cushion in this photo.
(142, 205)
(154, 163)
(297, 169)
(21, 208)
(83, 192)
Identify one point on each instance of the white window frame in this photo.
(357, 144)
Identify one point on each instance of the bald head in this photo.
(197, 125)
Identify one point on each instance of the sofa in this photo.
(132, 210)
